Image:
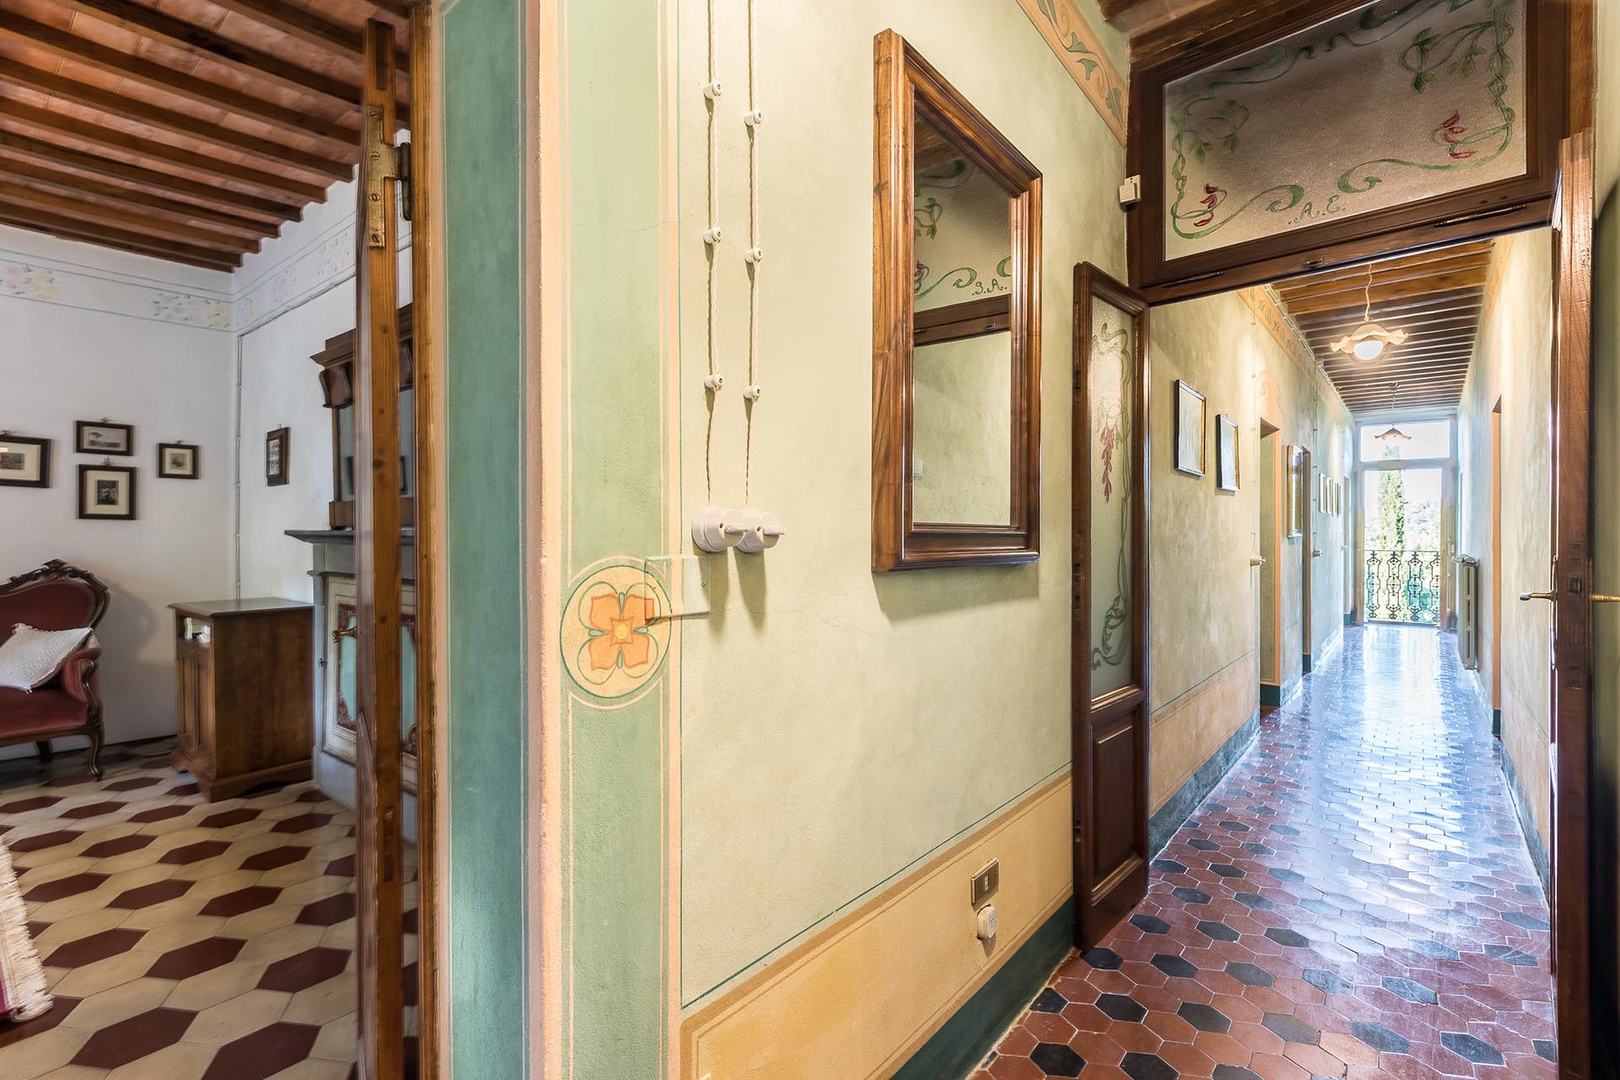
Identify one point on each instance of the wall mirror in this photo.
(956, 328)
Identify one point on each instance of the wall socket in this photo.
(986, 881)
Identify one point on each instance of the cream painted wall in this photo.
(850, 722)
(64, 363)
(1512, 364)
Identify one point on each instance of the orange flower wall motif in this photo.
(616, 629)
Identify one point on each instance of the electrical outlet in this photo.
(986, 881)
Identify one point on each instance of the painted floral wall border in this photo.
(1080, 49)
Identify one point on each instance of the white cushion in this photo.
(30, 658)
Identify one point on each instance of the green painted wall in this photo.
(484, 394)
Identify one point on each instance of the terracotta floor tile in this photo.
(1380, 859)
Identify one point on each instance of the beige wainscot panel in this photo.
(1188, 731)
(809, 1016)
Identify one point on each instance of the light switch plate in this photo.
(986, 882)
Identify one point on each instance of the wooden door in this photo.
(1109, 661)
(1571, 598)
(1308, 555)
(378, 578)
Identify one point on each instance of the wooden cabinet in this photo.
(244, 679)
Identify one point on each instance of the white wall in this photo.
(62, 363)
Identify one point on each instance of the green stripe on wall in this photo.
(484, 396)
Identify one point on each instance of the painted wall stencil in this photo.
(616, 629)
(1405, 100)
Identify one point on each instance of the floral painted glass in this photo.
(1111, 438)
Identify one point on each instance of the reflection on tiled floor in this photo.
(182, 939)
(1354, 900)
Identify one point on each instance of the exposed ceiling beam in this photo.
(135, 198)
(307, 27)
(144, 112)
(105, 137)
(1460, 302)
(399, 9)
(335, 137)
(272, 210)
(199, 43)
(1357, 282)
(101, 213)
(1439, 299)
(39, 220)
(1327, 334)
(1383, 293)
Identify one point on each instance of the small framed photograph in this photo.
(103, 437)
(1189, 457)
(177, 461)
(107, 492)
(275, 457)
(24, 462)
(1226, 453)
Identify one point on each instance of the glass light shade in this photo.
(1369, 349)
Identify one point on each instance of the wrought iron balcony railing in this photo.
(1403, 586)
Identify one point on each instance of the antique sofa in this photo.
(55, 597)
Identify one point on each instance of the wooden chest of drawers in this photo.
(245, 691)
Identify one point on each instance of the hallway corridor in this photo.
(1354, 899)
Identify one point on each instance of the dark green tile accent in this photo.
(957, 1048)
(1173, 813)
(1349, 618)
(1527, 823)
(1306, 663)
(1496, 722)
(484, 396)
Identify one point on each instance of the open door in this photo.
(1109, 662)
(1571, 598)
(378, 579)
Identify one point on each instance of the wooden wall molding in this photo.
(1080, 50)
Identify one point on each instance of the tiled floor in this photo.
(1355, 899)
(182, 939)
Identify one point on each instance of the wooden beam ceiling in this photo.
(186, 129)
(1436, 297)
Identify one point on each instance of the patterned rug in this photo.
(22, 977)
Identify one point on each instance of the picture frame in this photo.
(103, 437)
(1190, 450)
(1228, 469)
(107, 492)
(1190, 166)
(1294, 459)
(276, 445)
(24, 461)
(177, 461)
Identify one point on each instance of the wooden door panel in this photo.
(379, 511)
(1109, 662)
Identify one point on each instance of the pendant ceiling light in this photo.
(1394, 434)
(1368, 341)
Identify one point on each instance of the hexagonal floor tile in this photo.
(305, 969)
(133, 1039)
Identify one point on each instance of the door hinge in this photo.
(384, 162)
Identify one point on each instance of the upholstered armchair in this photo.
(55, 597)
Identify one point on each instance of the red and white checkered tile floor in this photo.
(1354, 900)
(183, 940)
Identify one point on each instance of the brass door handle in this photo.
(1316, 554)
(348, 632)
(1604, 598)
(1538, 596)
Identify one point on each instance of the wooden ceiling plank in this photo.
(1410, 297)
(271, 210)
(1385, 292)
(307, 27)
(145, 112)
(1414, 324)
(202, 44)
(335, 138)
(1406, 378)
(101, 136)
(1357, 281)
(1459, 304)
(27, 217)
(128, 220)
(73, 183)
(399, 9)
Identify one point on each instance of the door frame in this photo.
(1099, 905)
(1307, 557)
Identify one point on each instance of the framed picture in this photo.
(107, 491)
(177, 461)
(1221, 208)
(24, 462)
(102, 437)
(1294, 488)
(275, 457)
(1189, 457)
(1227, 475)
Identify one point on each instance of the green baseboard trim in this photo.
(973, 1031)
(1496, 722)
(1276, 696)
(1305, 664)
(1527, 824)
(1349, 618)
(1174, 814)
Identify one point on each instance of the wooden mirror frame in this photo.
(1515, 203)
(904, 84)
